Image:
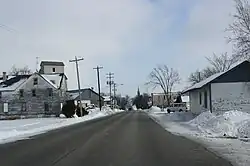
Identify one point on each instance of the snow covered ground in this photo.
(13, 130)
(226, 134)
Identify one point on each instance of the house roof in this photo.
(51, 63)
(12, 83)
(8, 77)
(75, 93)
(210, 79)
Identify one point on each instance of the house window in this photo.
(50, 91)
(33, 92)
(46, 107)
(200, 96)
(35, 81)
(53, 70)
(21, 92)
(5, 107)
(53, 81)
(0, 95)
(23, 107)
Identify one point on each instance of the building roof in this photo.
(12, 83)
(210, 79)
(75, 93)
(51, 63)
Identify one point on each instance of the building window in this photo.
(33, 92)
(23, 107)
(0, 95)
(50, 90)
(47, 107)
(21, 92)
(200, 96)
(35, 81)
(53, 70)
(53, 81)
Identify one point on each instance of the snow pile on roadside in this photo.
(228, 124)
(154, 109)
(13, 130)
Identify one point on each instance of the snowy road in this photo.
(129, 139)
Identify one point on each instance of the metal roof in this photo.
(51, 63)
(209, 79)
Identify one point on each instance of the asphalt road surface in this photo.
(124, 139)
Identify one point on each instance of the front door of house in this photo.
(205, 99)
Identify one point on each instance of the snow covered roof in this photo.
(12, 83)
(75, 93)
(203, 82)
(53, 79)
(8, 77)
(211, 78)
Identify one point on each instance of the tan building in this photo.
(160, 99)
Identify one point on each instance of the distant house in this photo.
(34, 94)
(160, 99)
(88, 96)
(107, 100)
(224, 91)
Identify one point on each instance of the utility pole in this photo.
(110, 82)
(115, 89)
(99, 86)
(76, 60)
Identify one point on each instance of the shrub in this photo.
(69, 108)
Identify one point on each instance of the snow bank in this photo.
(228, 124)
(13, 130)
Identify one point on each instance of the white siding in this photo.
(196, 106)
(49, 69)
(231, 96)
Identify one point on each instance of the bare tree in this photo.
(240, 29)
(19, 71)
(195, 77)
(165, 78)
(218, 63)
(222, 62)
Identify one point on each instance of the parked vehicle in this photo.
(91, 106)
(177, 107)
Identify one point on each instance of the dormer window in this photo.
(53, 70)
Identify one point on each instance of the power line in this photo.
(76, 60)
(99, 85)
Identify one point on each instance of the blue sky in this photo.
(127, 37)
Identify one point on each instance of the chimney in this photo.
(4, 76)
